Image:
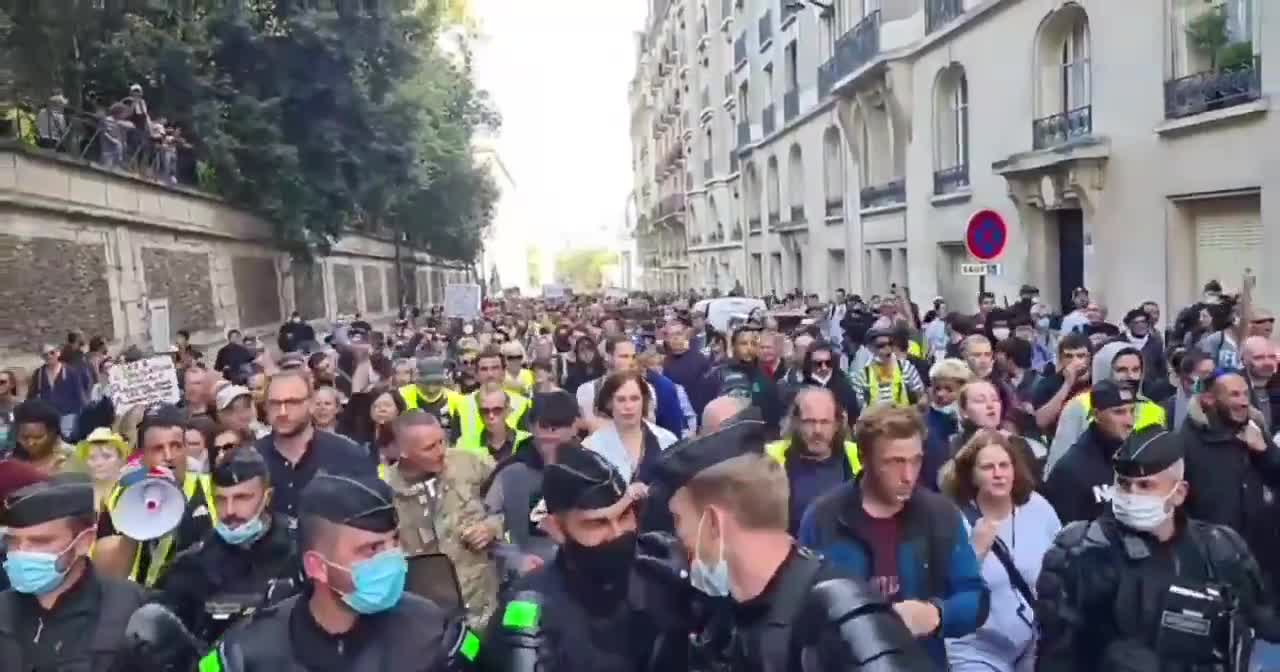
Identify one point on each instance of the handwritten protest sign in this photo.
(146, 382)
(462, 300)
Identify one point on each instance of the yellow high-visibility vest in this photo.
(164, 548)
(915, 350)
(897, 387)
(470, 423)
(778, 451)
(1146, 413)
(413, 397)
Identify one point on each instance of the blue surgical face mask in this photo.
(1042, 324)
(379, 582)
(713, 581)
(36, 573)
(243, 535)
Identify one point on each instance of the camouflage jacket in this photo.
(434, 513)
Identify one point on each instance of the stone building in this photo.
(847, 143)
(134, 261)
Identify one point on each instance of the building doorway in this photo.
(1070, 254)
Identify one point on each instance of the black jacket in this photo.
(293, 335)
(1232, 485)
(214, 574)
(1100, 588)
(734, 378)
(838, 384)
(1079, 486)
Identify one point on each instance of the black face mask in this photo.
(607, 563)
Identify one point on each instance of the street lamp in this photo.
(826, 9)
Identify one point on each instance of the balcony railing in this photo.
(790, 106)
(881, 195)
(706, 169)
(769, 120)
(797, 214)
(835, 206)
(766, 29)
(1208, 91)
(1059, 128)
(744, 133)
(938, 12)
(670, 205)
(853, 50)
(951, 180)
(740, 50)
(753, 224)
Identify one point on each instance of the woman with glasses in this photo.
(821, 368)
(1011, 527)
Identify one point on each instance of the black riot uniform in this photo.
(1112, 598)
(811, 616)
(85, 628)
(212, 584)
(410, 635)
(582, 610)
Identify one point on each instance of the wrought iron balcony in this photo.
(769, 119)
(790, 106)
(853, 50)
(1060, 128)
(797, 214)
(835, 206)
(753, 224)
(938, 13)
(881, 195)
(951, 180)
(744, 133)
(706, 169)
(1208, 91)
(789, 9)
(740, 50)
(765, 26)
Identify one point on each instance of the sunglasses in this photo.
(514, 358)
(821, 363)
(226, 446)
(492, 410)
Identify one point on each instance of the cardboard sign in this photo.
(146, 382)
(462, 300)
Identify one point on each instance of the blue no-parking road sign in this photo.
(986, 235)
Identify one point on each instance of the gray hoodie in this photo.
(1074, 419)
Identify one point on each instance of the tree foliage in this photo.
(321, 115)
(583, 269)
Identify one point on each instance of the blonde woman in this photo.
(104, 452)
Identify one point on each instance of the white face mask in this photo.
(952, 409)
(1000, 333)
(1141, 512)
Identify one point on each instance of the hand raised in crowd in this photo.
(1252, 437)
(922, 618)
(984, 535)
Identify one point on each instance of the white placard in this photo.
(981, 269)
(146, 381)
(553, 292)
(462, 300)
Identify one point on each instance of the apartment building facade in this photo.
(1124, 144)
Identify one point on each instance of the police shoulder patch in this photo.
(521, 615)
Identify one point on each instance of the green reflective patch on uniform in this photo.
(470, 646)
(211, 662)
(520, 616)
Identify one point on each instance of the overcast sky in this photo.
(558, 72)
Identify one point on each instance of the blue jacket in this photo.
(940, 427)
(667, 413)
(935, 559)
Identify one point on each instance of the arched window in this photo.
(795, 184)
(1065, 88)
(833, 179)
(753, 197)
(774, 192)
(951, 130)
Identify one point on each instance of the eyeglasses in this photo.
(492, 410)
(226, 446)
(821, 363)
(515, 358)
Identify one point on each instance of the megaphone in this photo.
(150, 505)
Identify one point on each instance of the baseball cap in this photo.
(1108, 394)
(432, 371)
(229, 394)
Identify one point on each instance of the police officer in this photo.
(1145, 587)
(59, 614)
(788, 610)
(353, 615)
(248, 560)
(575, 613)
